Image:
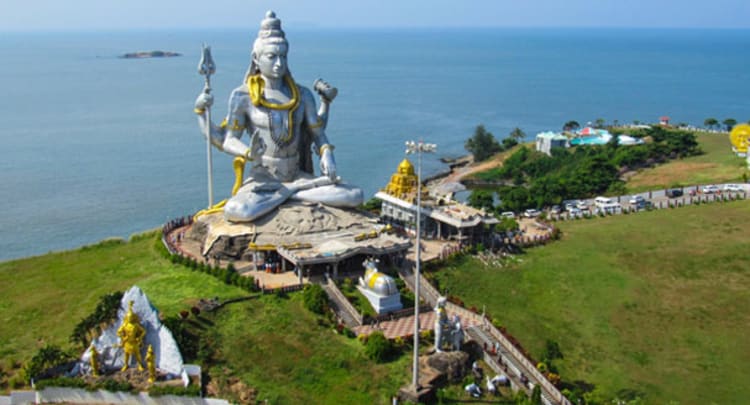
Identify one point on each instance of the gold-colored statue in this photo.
(94, 361)
(131, 335)
(151, 364)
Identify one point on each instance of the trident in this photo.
(206, 68)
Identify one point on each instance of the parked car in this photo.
(674, 192)
(602, 201)
(531, 213)
(555, 209)
(733, 187)
(574, 212)
(508, 214)
(637, 200)
(582, 205)
(710, 189)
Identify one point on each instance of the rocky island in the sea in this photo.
(150, 54)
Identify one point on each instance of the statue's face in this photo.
(271, 61)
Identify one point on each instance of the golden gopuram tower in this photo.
(403, 184)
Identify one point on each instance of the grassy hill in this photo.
(271, 344)
(717, 165)
(656, 303)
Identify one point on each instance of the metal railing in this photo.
(341, 300)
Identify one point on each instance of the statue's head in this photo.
(270, 49)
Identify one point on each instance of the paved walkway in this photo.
(341, 308)
(405, 326)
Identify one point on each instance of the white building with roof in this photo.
(545, 141)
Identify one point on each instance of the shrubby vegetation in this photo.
(106, 384)
(539, 180)
(315, 299)
(378, 347)
(483, 144)
(227, 275)
(47, 357)
(104, 314)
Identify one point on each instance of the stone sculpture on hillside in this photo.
(447, 330)
(281, 119)
(113, 345)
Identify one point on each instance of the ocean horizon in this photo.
(95, 146)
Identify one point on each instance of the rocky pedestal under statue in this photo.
(279, 199)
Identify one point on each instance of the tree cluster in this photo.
(540, 180)
(713, 123)
(483, 144)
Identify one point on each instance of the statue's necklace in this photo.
(256, 86)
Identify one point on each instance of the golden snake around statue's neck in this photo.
(256, 87)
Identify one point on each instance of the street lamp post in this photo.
(418, 148)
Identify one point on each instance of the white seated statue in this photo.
(281, 119)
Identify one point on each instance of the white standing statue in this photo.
(281, 119)
(457, 333)
(447, 330)
(441, 324)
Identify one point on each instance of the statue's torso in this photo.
(272, 126)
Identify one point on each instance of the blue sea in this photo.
(94, 146)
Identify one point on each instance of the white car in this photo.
(733, 187)
(637, 200)
(508, 214)
(710, 189)
(582, 205)
(574, 212)
(531, 213)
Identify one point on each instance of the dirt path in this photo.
(458, 173)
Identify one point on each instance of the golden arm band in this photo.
(326, 146)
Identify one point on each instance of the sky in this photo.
(74, 15)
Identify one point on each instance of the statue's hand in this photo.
(328, 164)
(204, 100)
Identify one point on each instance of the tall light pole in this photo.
(418, 148)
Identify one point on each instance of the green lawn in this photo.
(275, 345)
(42, 298)
(657, 302)
(717, 165)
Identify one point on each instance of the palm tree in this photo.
(517, 134)
(729, 123)
(710, 122)
(599, 123)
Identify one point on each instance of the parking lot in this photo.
(650, 199)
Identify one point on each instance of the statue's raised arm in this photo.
(284, 126)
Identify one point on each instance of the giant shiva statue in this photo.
(281, 119)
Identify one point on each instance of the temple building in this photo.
(442, 217)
